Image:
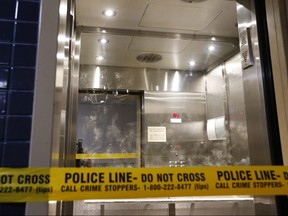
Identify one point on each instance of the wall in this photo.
(166, 92)
(235, 113)
(254, 93)
(147, 79)
(255, 107)
(225, 97)
(19, 22)
(197, 99)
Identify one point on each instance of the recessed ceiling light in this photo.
(192, 63)
(103, 41)
(109, 13)
(211, 48)
(213, 38)
(99, 58)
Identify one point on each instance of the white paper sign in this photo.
(156, 134)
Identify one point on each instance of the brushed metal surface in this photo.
(188, 140)
(196, 98)
(147, 79)
(215, 90)
(185, 140)
(253, 93)
(259, 151)
(150, 207)
(236, 111)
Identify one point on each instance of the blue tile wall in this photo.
(14, 209)
(21, 35)
(18, 128)
(5, 54)
(4, 77)
(28, 11)
(3, 102)
(6, 31)
(19, 24)
(20, 103)
(7, 9)
(19, 159)
(2, 129)
(22, 78)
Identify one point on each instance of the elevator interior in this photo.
(161, 82)
(171, 51)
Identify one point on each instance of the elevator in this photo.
(165, 83)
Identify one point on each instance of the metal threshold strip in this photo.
(174, 199)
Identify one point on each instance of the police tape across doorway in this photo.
(67, 184)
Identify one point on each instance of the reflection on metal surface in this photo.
(191, 98)
(140, 78)
(66, 96)
(255, 111)
(173, 199)
(215, 93)
(236, 112)
(253, 92)
(96, 80)
(183, 139)
(110, 130)
(176, 96)
(214, 205)
(155, 34)
(95, 99)
(187, 141)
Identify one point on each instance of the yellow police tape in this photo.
(43, 184)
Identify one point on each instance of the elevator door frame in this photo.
(265, 107)
(270, 98)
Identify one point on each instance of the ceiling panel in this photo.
(178, 31)
(117, 52)
(130, 13)
(158, 45)
(178, 17)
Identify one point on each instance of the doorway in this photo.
(184, 57)
(109, 128)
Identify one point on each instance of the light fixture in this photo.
(99, 58)
(103, 41)
(176, 81)
(109, 12)
(211, 48)
(191, 63)
(213, 39)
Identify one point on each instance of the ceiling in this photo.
(176, 30)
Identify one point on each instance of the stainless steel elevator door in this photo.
(109, 126)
